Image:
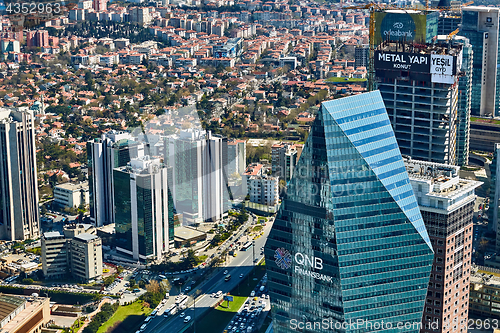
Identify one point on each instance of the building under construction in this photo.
(419, 84)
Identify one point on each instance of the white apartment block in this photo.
(264, 190)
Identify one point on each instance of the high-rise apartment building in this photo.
(114, 149)
(19, 216)
(481, 26)
(283, 160)
(39, 38)
(361, 55)
(264, 190)
(349, 244)
(144, 211)
(419, 86)
(446, 203)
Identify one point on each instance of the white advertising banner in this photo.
(440, 78)
(441, 64)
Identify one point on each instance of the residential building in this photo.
(38, 38)
(99, 5)
(72, 195)
(140, 15)
(283, 159)
(144, 209)
(485, 295)
(421, 101)
(253, 170)
(24, 315)
(86, 257)
(114, 149)
(54, 255)
(236, 157)
(19, 216)
(264, 190)
(446, 203)
(481, 26)
(351, 172)
(361, 56)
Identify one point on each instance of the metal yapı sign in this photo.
(435, 64)
(402, 61)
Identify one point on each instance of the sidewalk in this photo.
(92, 314)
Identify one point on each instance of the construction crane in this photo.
(428, 7)
(453, 33)
(372, 8)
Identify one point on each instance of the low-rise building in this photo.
(54, 255)
(86, 257)
(77, 254)
(20, 315)
(72, 195)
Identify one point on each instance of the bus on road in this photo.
(181, 302)
(246, 246)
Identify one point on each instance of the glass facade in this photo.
(480, 25)
(464, 105)
(349, 243)
(123, 211)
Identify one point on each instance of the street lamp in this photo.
(253, 256)
(196, 293)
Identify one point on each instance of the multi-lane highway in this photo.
(241, 264)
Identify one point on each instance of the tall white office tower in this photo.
(114, 149)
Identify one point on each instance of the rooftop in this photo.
(74, 187)
(86, 237)
(187, 233)
(444, 48)
(52, 234)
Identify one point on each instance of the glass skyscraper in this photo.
(481, 26)
(349, 251)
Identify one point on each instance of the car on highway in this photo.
(226, 271)
(182, 314)
(241, 275)
(187, 319)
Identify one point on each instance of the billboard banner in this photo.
(440, 78)
(399, 26)
(402, 61)
(442, 64)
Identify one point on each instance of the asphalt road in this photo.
(241, 264)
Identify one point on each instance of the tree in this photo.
(153, 287)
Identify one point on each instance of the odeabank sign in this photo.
(415, 62)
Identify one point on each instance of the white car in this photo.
(182, 314)
(187, 319)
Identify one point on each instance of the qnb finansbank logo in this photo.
(303, 264)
